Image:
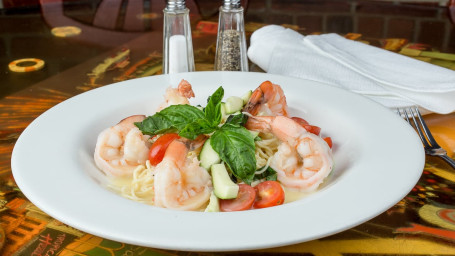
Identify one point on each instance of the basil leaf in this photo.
(236, 148)
(237, 120)
(171, 119)
(268, 174)
(212, 111)
(200, 126)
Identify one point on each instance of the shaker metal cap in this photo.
(228, 4)
(175, 5)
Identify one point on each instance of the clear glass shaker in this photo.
(231, 54)
(177, 42)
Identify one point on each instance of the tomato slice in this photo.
(243, 201)
(158, 148)
(269, 193)
(310, 128)
(300, 121)
(313, 129)
(329, 141)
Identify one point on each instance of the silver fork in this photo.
(429, 143)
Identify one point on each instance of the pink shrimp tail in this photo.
(283, 127)
(259, 123)
(185, 89)
(267, 96)
(195, 144)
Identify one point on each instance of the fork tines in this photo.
(414, 118)
(411, 113)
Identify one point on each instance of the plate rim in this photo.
(79, 222)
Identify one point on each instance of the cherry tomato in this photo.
(310, 128)
(243, 201)
(329, 141)
(300, 121)
(269, 193)
(159, 147)
(313, 129)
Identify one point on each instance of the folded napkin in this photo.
(391, 79)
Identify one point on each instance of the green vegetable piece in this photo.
(200, 126)
(268, 174)
(171, 119)
(213, 109)
(223, 186)
(235, 146)
(188, 121)
(208, 156)
(237, 120)
(246, 97)
(224, 115)
(214, 204)
(233, 104)
(255, 134)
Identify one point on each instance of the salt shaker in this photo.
(231, 52)
(177, 43)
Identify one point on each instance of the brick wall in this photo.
(423, 23)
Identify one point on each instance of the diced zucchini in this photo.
(246, 97)
(223, 186)
(208, 156)
(214, 204)
(233, 104)
(223, 108)
(224, 115)
(254, 133)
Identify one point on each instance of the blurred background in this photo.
(25, 25)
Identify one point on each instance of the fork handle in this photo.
(449, 160)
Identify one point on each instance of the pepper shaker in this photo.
(231, 54)
(177, 42)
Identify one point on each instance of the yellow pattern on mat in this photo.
(441, 173)
(429, 213)
(380, 246)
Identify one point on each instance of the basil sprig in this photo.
(212, 111)
(235, 146)
(175, 118)
(233, 142)
(268, 174)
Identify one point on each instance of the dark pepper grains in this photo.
(228, 55)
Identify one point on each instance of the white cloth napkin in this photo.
(389, 78)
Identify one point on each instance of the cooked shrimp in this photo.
(121, 148)
(267, 100)
(176, 96)
(303, 160)
(180, 183)
(196, 144)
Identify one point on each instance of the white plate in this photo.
(378, 159)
